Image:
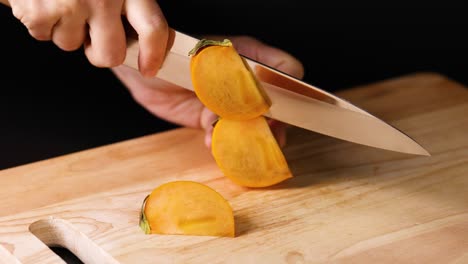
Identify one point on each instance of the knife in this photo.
(293, 101)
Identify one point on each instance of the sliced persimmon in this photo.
(224, 82)
(187, 208)
(248, 153)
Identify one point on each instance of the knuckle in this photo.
(157, 25)
(35, 21)
(70, 8)
(103, 5)
(17, 12)
(67, 10)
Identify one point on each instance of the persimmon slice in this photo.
(224, 82)
(248, 153)
(187, 208)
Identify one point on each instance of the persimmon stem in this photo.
(209, 42)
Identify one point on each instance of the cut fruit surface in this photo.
(248, 153)
(225, 84)
(187, 208)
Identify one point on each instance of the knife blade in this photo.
(293, 101)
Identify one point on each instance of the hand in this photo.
(98, 25)
(180, 106)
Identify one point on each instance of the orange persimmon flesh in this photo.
(224, 82)
(187, 208)
(248, 153)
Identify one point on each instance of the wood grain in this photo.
(347, 203)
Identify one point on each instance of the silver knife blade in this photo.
(294, 102)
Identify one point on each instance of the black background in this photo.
(54, 102)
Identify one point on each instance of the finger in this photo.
(147, 19)
(38, 18)
(269, 55)
(207, 122)
(70, 31)
(106, 46)
(279, 131)
(208, 137)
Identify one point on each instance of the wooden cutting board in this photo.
(347, 203)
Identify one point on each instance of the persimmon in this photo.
(224, 82)
(187, 208)
(243, 144)
(248, 153)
